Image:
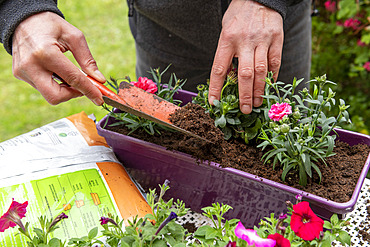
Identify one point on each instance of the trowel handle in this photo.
(104, 90)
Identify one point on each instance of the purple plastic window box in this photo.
(200, 185)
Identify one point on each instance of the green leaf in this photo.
(307, 164)
(286, 171)
(39, 233)
(230, 120)
(347, 9)
(54, 242)
(344, 238)
(159, 243)
(271, 97)
(327, 225)
(93, 233)
(317, 169)
(334, 219)
(302, 176)
(220, 121)
(313, 101)
(180, 245)
(274, 152)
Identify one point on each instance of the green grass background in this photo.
(105, 25)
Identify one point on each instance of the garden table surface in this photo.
(359, 218)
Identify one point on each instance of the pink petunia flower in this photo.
(305, 223)
(13, 216)
(352, 23)
(145, 84)
(252, 238)
(280, 240)
(367, 66)
(330, 6)
(278, 111)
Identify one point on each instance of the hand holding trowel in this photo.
(138, 102)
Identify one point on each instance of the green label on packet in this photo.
(81, 195)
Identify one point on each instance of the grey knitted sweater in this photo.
(13, 12)
(197, 20)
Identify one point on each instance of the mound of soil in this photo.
(339, 176)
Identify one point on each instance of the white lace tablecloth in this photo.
(359, 218)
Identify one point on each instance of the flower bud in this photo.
(268, 81)
(277, 129)
(299, 198)
(285, 119)
(287, 101)
(284, 128)
(200, 87)
(296, 114)
(230, 98)
(282, 229)
(283, 216)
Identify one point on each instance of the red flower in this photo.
(367, 66)
(13, 216)
(280, 240)
(360, 43)
(352, 23)
(330, 6)
(145, 84)
(305, 223)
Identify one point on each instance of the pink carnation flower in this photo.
(145, 84)
(367, 66)
(330, 6)
(278, 111)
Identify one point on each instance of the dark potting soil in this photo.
(339, 176)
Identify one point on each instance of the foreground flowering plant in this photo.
(299, 227)
(40, 236)
(302, 227)
(297, 131)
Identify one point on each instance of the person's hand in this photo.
(38, 46)
(254, 34)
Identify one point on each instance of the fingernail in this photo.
(98, 101)
(211, 99)
(246, 109)
(257, 102)
(98, 75)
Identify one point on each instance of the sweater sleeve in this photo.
(13, 12)
(281, 6)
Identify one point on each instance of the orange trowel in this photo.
(140, 103)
